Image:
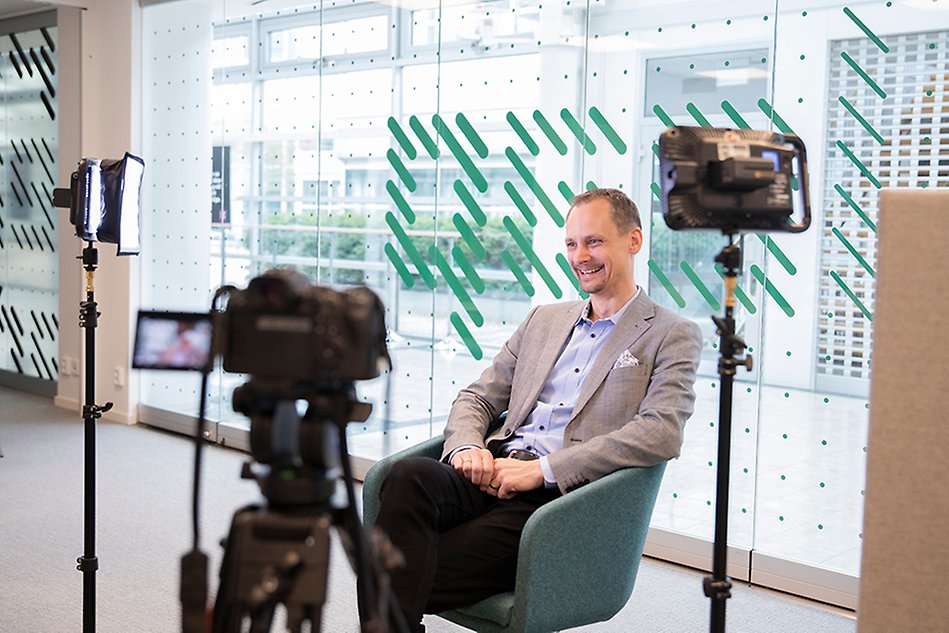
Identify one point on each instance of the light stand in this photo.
(718, 586)
(88, 563)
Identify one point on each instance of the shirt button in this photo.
(541, 428)
(577, 370)
(561, 404)
(593, 336)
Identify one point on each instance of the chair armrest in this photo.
(377, 474)
(594, 536)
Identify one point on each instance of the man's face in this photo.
(599, 254)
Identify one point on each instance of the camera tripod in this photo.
(717, 587)
(277, 552)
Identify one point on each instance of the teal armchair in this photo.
(578, 558)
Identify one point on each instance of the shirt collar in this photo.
(615, 317)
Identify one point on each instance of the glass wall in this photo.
(431, 154)
(29, 264)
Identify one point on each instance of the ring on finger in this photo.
(492, 487)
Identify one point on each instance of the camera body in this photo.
(281, 328)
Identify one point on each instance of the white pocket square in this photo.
(626, 360)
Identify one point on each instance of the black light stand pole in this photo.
(88, 563)
(718, 586)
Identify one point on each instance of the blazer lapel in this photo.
(548, 354)
(632, 325)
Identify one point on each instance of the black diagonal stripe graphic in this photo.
(16, 319)
(48, 60)
(55, 321)
(39, 328)
(52, 359)
(26, 150)
(41, 199)
(39, 66)
(3, 328)
(42, 357)
(39, 372)
(49, 40)
(16, 361)
(17, 194)
(20, 180)
(16, 64)
(39, 155)
(49, 106)
(52, 246)
(52, 335)
(48, 151)
(39, 242)
(19, 50)
(13, 230)
(26, 236)
(6, 317)
(16, 151)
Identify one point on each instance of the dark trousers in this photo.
(460, 544)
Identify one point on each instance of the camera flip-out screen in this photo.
(172, 340)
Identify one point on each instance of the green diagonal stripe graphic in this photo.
(772, 290)
(732, 113)
(656, 191)
(859, 164)
(863, 74)
(866, 124)
(430, 146)
(856, 207)
(472, 135)
(399, 265)
(655, 149)
(402, 139)
(854, 252)
(590, 187)
(459, 290)
(597, 117)
(520, 203)
(565, 191)
(565, 267)
(461, 260)
(700, 286)
(778, 254)
(665, 118)
(465, 335)
(661, 276)
(470, 203)
(400, 202)
(863, 27)
(469, 236)
(693, 109)
(400, 169)
(739, 293)
(460, 155)
(853, 297)
(772, 115)
(410, 250)
(523, 134)
(577, 131)
(526, 285)
(550, 133)
(538, 265)
(534, 186)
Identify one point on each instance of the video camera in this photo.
(303, 346)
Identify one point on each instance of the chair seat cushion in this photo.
(496, 609)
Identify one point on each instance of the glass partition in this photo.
(431, 153)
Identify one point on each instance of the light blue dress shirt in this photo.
(543, 430)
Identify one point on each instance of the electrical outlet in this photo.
(118, 377)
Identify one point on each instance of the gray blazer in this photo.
(627, 414)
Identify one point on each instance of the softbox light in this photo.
(104, 201)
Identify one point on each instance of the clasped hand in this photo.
(498, 476)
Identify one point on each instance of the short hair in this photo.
(624, 211)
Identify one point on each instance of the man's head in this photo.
(603, 232)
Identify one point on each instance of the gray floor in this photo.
(143, 526)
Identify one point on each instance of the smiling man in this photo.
(589, 387)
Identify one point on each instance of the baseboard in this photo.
(67, 403)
